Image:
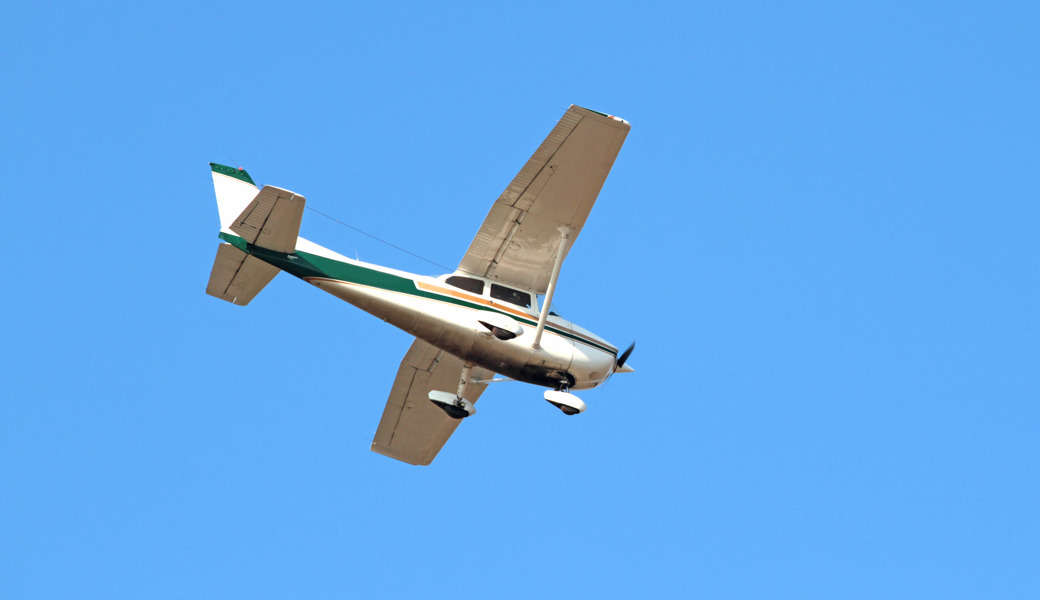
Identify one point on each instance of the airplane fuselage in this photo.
(454, 319)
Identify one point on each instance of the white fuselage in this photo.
(450, 318)
(459, 313)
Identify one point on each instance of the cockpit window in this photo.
(469, 284)
(501, 292)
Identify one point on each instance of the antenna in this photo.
(365, 233)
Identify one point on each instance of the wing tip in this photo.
(389, 453)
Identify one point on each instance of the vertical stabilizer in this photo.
(235, 190)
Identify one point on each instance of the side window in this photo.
(469, 284)
(501, 292)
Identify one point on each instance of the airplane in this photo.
(484, 319)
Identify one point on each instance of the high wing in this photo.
(517, 243)
(413, 429)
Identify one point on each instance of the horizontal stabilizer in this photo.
(272, 219)
(238, 277)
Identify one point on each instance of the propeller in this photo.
(624, 357)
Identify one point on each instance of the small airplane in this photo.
(483, 319)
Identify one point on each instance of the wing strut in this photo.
(565, 234)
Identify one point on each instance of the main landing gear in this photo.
(457, 407)
(454, 405)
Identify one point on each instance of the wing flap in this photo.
(412, 429)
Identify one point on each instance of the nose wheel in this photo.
(565, 401)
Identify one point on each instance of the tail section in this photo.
(268, 218)
(271, 220)
(238, 277)
(235, 190)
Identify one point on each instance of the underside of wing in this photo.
(517, 243)
(413, 429)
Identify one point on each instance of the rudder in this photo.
(235, 189)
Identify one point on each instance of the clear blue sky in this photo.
(822, 231)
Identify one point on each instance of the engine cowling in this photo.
(499, 325)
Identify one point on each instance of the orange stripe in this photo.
(480, 300)
(468, 298)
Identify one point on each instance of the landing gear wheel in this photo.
(455, 411)
(452, 405)
(568, 403)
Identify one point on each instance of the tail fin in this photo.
(235, 190)
(268, 218)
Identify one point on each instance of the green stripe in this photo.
(239, 174)
(304, 264)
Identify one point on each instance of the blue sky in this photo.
(822, 231)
